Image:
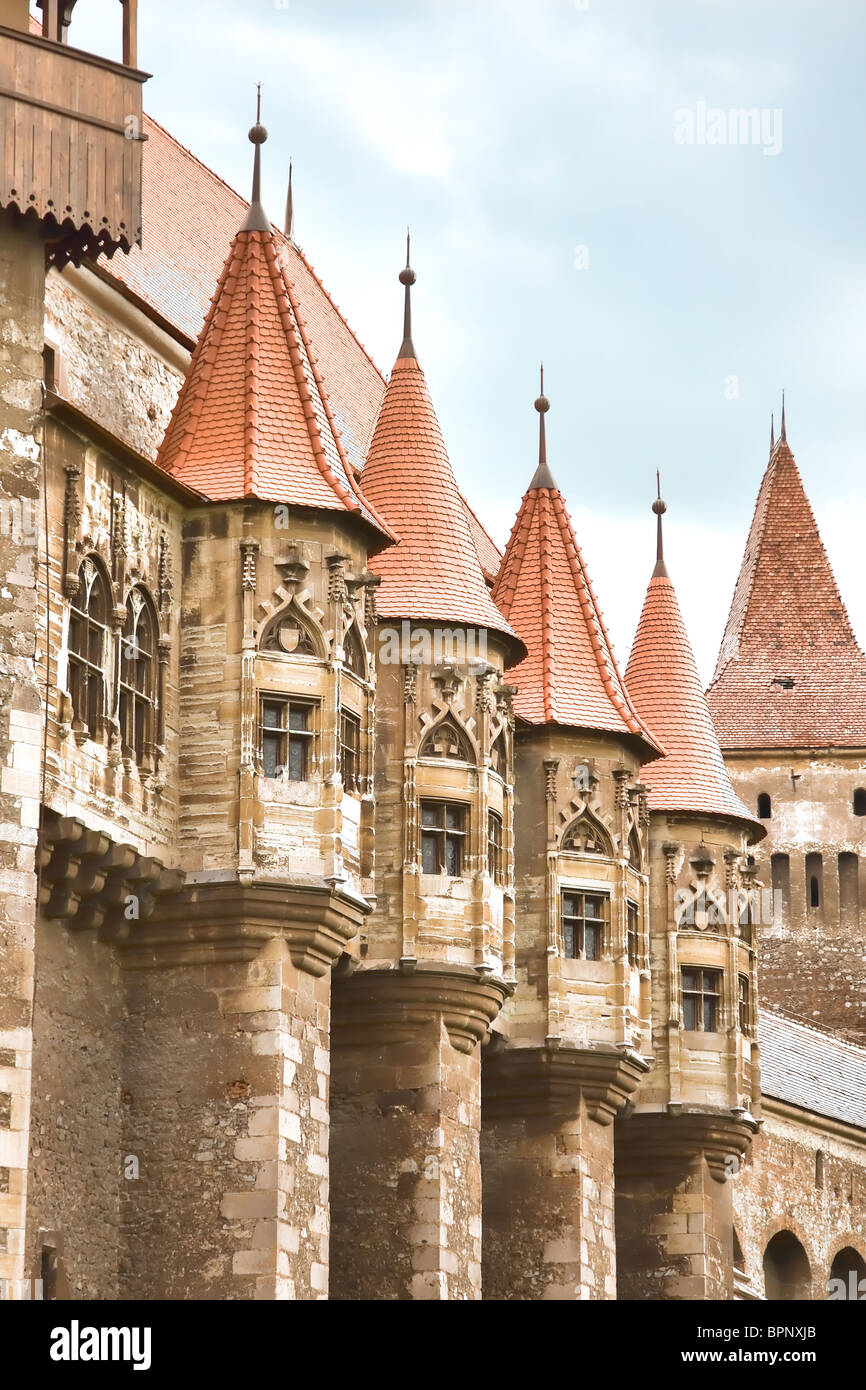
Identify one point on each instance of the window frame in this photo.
(744, 1002)
(703, 994)
(301, 737)
(573, 924)
(632, 932)
(88, 685)
(495, 846)
(137, 699)
(350, 752)
(444, 837)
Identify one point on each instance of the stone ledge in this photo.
(647, 1142)
(232, 921)
(551, 1080)
(389, 1005)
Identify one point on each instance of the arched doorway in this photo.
(787, 1275)
(848, 1276)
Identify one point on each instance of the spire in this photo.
(569, 675)
(790, 672)
(783, 438)
(666, 691)
(434, 573)
(659, 507)
(543, 476)
(252, 418)
(772, 432)
(289, 227)
(407, 278)
(256, 219)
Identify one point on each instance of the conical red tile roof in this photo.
(569, 675)
(664, 684)
(790, 672)
(433, 573)
(252, 418)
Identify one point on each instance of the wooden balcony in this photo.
(70, 145)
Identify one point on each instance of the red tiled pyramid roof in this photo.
(433, 572)
(788, 623)
(252, 418)
(664, 684)
(569, 674)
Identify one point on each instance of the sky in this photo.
(577, 193)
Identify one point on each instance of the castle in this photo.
(365, 933)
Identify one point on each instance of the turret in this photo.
(437, 956)
(689, 1126)
(571, 1046)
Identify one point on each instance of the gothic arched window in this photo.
(88, 641)
(499, 756)
(138, 675)
(634, 848)
(765, 806)
(447, 740)
(586, 837)
(354, 653)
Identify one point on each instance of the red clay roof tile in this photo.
(663, 680)
(252, 418)
(788, 624)
(434, 572)
(569, 675)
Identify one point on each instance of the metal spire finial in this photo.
(783, 438)
(407, 278)
(772, 432)
(543, 477)
(257, 220)
(289, 227)
(659, 507)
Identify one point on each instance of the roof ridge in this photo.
(811, 1026)
(542, 506)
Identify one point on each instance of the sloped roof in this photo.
(664, 684)
(433, 572)
(812, 1069)
(569, 674)
(252, 418)
(189, 216)
(790, 672)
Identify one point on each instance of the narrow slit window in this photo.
(765, 806)
(632, 933)
(88, 639)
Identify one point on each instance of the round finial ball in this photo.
(542, 405)
(659, 507)
(407, 276)
(258, 134)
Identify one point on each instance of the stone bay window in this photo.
(89, 646)
(139, 678)
(444, 827)
(286, 733)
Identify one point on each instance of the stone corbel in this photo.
(385, 1006)
(553, 1078)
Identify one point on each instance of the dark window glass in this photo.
(584, 916)
(350, 750)
(765, 809)
(860, 802)
(138, 677)
(88, 629)
(632, 933)
(495, 856)
(701, 994)
(285, 738)
(443, 837)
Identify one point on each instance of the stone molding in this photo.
(391, 1004)
(650, 1141)
(553, 1078)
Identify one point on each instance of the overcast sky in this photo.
(560, 165)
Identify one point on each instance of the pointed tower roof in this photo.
(790, 672)
(569, 675)
(434, 572)
(252, 418)
(666, 689)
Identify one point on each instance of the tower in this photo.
(571, 1047)
(690, 1124)
(437, 954)
(788, 697)
(70, 185)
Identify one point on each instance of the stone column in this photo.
(547, 1156)
(227, 1107)
(406, 1120)
(674, 1213)
(22, 294)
